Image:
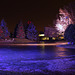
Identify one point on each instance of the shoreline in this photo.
(31, 43)
(67, 46)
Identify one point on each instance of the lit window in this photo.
(53, 38)
(41, 35)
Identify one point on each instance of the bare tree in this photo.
(71, 10)
(66, 17)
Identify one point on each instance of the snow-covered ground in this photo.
(15, 40)
(37, 59)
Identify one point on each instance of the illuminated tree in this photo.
(32, 32)
(66, 17)
(69, 33)
(1, 32)
(63, 21)
(5, 32)
(26, 25)
(71, 10)
(20, 31)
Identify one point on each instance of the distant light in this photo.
(53, 38)
(47, 38)
(44, 38)
(41, 35)
(61, 37)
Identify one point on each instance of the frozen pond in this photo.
(37, 59)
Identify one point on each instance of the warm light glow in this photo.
(45, 38)
(46, 44)
(61, 37)
(53, 38)
(60, 52)
(41, 35)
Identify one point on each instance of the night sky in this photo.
(41, 12)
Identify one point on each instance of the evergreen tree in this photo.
(20, 31)
(69, 34)
(26, 25)
(1, 33)
(15, 31)
(6, 34)
(32, 32)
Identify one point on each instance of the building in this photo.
(53, 33)
(50, 32)
(42, 36)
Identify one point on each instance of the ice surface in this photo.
(26, 60)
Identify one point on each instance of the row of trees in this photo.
(28, 31)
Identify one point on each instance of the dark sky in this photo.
(40, 12)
